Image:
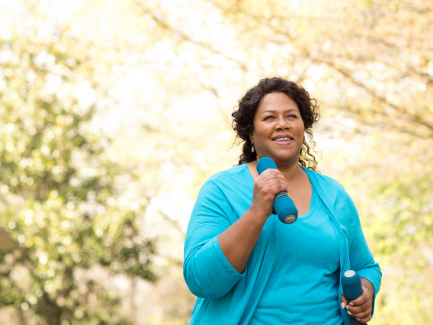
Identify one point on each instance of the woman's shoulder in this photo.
(232, 174)
(227, 181)
(335, 195)
(325, 182)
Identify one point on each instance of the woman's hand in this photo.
(361, 307)
(266, 186)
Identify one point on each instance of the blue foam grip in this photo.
(352, 287)
(285, 209)
(265, 163)
(284, 206)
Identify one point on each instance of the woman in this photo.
(243, 264)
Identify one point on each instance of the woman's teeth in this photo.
(282, 139)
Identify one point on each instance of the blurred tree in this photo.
(62, 191)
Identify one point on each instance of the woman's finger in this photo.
(361, 307)
(365, 296)
(271, 173)
(365, 319)
(359, 313)
(343, 301)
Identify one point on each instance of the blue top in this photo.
(224, 295)
(306, 274)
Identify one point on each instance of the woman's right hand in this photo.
(266, 186)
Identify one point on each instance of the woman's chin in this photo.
(284, 158)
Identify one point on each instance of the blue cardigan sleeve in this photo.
(206, 270)
(361, 258)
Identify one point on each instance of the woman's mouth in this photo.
(283, 140)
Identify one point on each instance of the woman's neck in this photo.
(291, 172)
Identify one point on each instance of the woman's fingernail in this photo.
(351, 304)
(358, 320)
(349, 313)
(342, 305)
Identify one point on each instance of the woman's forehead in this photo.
(277, 102)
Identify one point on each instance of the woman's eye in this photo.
(292, 116)
(268, 117)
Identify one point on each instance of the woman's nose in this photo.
(282, 123)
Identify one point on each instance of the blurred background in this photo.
(115, 112)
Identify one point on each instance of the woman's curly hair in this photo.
(243, 117)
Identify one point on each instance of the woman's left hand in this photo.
(361, 307)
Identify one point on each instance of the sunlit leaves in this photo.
(59, 192)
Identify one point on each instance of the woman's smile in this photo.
(278, 128)
(283, 139)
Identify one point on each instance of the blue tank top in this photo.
(303, 286)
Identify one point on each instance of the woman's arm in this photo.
(238, 241)
(362, 261)
(216, 251)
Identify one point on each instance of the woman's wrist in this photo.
(256, 216)
(368, 285)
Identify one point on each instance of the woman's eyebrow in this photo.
(286, 111)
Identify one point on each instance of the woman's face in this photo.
(278, 129)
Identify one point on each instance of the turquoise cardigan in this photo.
(224, 295)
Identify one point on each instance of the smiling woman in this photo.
(244, 265)
(278, 128)
(267, 93)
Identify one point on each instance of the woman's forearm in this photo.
(238, 241)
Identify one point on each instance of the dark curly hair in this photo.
(243, 116)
